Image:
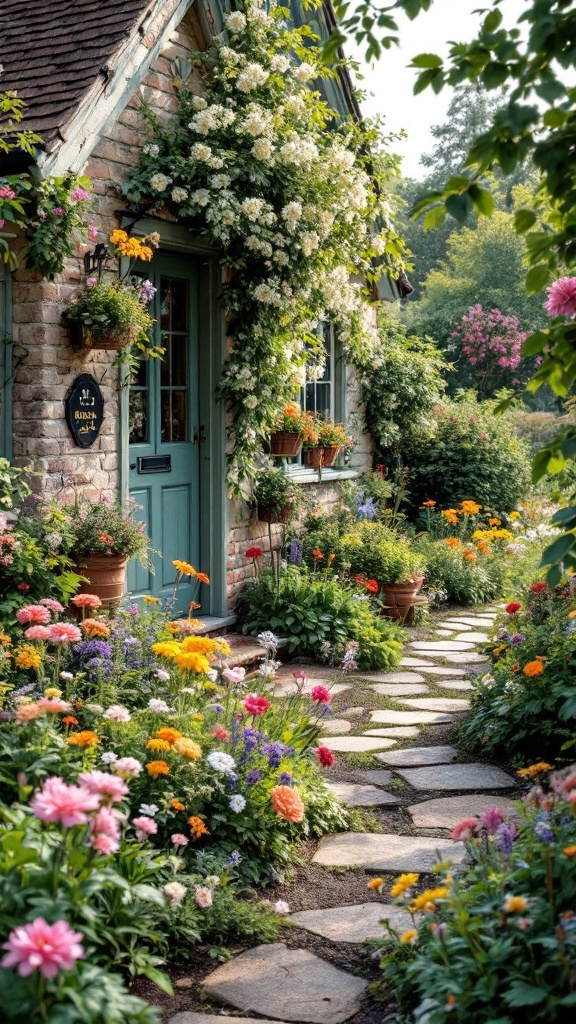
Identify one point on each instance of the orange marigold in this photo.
(452, 542)
(469, 556)
(287, 802)
(94, 627)
(317, 554)
(70, 720)
(168, 734)
(202, 577)
(188, 748)
(569, 851)
(177, 805)
(156, 768)
(157, 745)
(197, 827)
(86, 738)
(533, 668)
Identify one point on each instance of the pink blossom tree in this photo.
(490, 342)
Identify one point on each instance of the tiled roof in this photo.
(53, 50)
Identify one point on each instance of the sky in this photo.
(390, 82)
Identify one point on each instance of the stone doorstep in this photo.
(357, 923)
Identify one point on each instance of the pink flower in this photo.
(92, 231)
(104, 844)
(255, 704)
(79, 194)
(325, 756)
(67, 804)
(146, 825)
(203, 896)
(91, 282)
(28, 712)
(23, 587)
(6, 192)
(106, 785)
(127, 767)
(53, 605)
(53, 705)
(321, 694)
(234, 675)
(37, 633)
(86, 601)
(220, 733)
(33, 613)
(43, 947)
(117, 713)
(178, 839)
(561, 299)
(64, 633)
(465, 829)
(492, 817)
(107, 822)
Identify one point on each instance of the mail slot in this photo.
(155, 464)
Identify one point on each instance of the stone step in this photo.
(450, 704)
(392, 677)
(447, 811)
(409, 717)
(354, 794)
(335, 726)
(409, 662)
(357, 923)
(190, 1017)
(458, 777)
(465, 620)
(356, 744)
(448, 646)
(381, 852)
(413, 756)
(399, 689)
(476, 638)
(394, 732)
(443, 670)
(454, 684)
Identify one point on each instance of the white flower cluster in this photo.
(251, 77)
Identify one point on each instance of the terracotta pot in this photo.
(87, 337)
(265, 515)
(106, 575)
(313, 457)
(285, 442)
(399, 597)
(330, 455)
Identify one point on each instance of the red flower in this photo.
(325, 756)
(372, 586)
(254, 552)
(513, 607)
(538, 588)
(256, 705)
(321, 694)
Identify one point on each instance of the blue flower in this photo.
(274, 752)
(366, 509)
(505, 837)
(543, 832)
(253, 777)
(295, 553)
(234, 859)
(286, 779)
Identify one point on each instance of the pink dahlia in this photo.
(37, 633)
(106, 785)
(69, 805)
(146, 825)
(86, 601)
(53, 705)
(465, 828)
(321, 694)
(43, 947)
(53, 605)
(255, 704)
(64, 633)
(104, 844)
(34, 613)
(178, 839)
(561, 299)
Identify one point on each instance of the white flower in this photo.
(149, 809)
(252, 207)
(212, 881)
(343, 159)
(280, 258)
(67, 675)
(175, 893)
(251, 77)
(199, 103)
(127, 767)
(236, 21)
(237, 803)
(262, 149)
(179, 195)
(256, 122)
(292, 213)
(160, 182)
(162, 674)
(221, 762)
(279, 63)
(264, 293)
(310, 240)
(212, 675)
(157, 705)
(215, 162)
(151, 149)
(299, 151)
(250, 401)
(200, 151)
(228, 55)
(201, 197)
(294, 104)
(378, 244)
(304, 72)
(221, 180)
(117, 713)
(281, 907)
(53, 539)
(109, 757)
(203, 896)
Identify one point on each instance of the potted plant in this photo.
(105, 536)
(275, 496)
(374, 552)
(286, 438)
(323, 443)
(113, 314)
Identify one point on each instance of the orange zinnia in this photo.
(177, 805)
(428, 504)
(69, 720)
(452, 542)
(86, 738)
(287, 802)
(533, 668)
(469, 556)
(317, 554)
(156, 768)
(168, 734)
(197, 827)
(202, 577)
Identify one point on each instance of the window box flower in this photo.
(286, 438)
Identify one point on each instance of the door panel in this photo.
(163, 418)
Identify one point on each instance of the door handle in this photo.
(198, 437)
(132, 465)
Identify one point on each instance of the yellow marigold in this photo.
(93, 627)
(157, 745)
(452, 542)
(177, 805)
(145, 253)
(494, 521)
(199, 645)
(192, 662)
(156, 768)
(533, 668)
(376, 883)
(502, 534)
(148, 599)
(5, 640)
(515, 904)
(469, 556)
(485, 535)
(53, 691)
(86, 738)
(188, 748)
(166, 648)
(184, 567)
(498, 650)
(197, 827)
(118, 236)
(533, 770)
(422, 901)
(222, 646)
(409, 937)
(174, 627)
(168, 734)
(514, 516)
(404, 882)
(450, 516)
(27, 657)
(470, 508)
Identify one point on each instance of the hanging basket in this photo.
(286, 443)
(111, 340)
(106, 577)
(267, 515)
(330, 455)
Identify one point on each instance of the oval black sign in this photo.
(84, 406)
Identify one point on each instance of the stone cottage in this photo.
(83, 70)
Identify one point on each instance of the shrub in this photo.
(467, 576)
(100, 527)
(373, 551)
(497, 944)
(469, 454)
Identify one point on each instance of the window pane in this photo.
(178, 360)
(173, 415)
(323, 399)
(138, 416)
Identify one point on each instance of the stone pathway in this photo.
(422, 789)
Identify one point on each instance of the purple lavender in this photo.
(506, 835)
(543, 832)
(253, 777)
(295, 553)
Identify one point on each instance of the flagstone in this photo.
(447, 811)
(437, 704)
(357, 923)
(477, 638)
(395, 731)
(441, 645)
(413, 662)
(392, 677)
(467, 659)
(290, 687)
(399, 689)
(336, 726)
(458, 776)
(454, 684)
(356, 744)
(468, 621)
(376, 776)
(419, 756)
(382, 852)
(443, 670)
(354, 794)
(449, 622)
(409, 717)
(354, 712)
(288, 984)
(190, 1017)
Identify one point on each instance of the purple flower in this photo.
(286, 779)
(251, 738)
(366, 509)
(234, 859)
(295, 553)
(41, 214)
(543, 832)
(57, 211)
(253, 777)
(147, 291)
(506, 835)
(274, 752)
(91, 281)
(517, 639)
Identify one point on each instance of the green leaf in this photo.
(494, 74)
(458, 207)
(482, 200)
(492, 21)
(556, 551)
(427, 60)
(522, 994)
(160, 979)
(565, 516)
(535, 343)
(524, 220)
(434, 217)
(537, 278)
(555, 118)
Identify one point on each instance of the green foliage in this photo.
(476, 955)
(311, 609)
(59, 222)
(468, 454)
(106, 528)
(14, 187)
(464, 581)
(276, 493)
(374, 551)
(113, 309)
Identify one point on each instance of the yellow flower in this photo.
(514, 516)
(148, 599)
(174, 627)
(118, 237)
(157, 745)
(515, 904)
(409, 937)
(86, 738)
(145, 253)
(404, 882)
(188, 748)
(498, 650)
(184, 567)
(421, 902)
(27, 657)
(450, 515)
(5, 640)
(166, 649)
(470, 508)
(494, 522)
(485, 535)
(533, 770)
(376, 883)
(197, 717)
(192, 662)
(452, 542)
(502, 534)
(53, 691)
(222, 646)
(168, 734)
(199, 645)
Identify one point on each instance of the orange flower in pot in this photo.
(286, 438)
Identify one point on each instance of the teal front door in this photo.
(165, 436)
